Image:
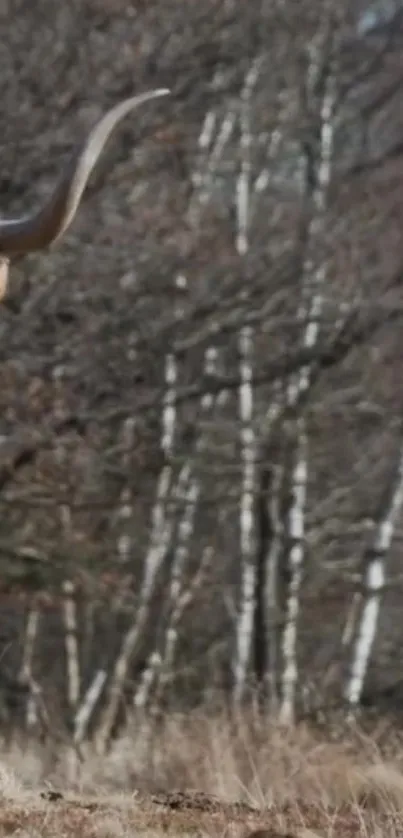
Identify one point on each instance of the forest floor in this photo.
(211, 781)
(53, 815)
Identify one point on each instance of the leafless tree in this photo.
(199, 466)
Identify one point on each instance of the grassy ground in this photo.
(208, 777)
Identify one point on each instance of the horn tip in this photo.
(162, 91)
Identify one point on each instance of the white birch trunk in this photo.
(249, 186)
(72, 666)
(203, 177)
(374, 584)
(262, 182)
(159, 668)
(71, 644)
(160, 539)
(245, 620)
(295, 558)
(272, 562)
(190, 491)
(313, 290)
(154, 560)
(89, 702)
(125, 511)
(26, 673)
(148, 678)
(244, 627)
(180, 604)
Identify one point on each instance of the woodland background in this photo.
(201, 392)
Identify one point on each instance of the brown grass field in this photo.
(208, 777)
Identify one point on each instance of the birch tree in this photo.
(244, 625)
(374, 583)
(320, 80)
(160, 540)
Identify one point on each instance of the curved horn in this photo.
(36, 231)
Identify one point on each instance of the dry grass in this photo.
(210, 777)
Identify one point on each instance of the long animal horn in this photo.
(38, 230)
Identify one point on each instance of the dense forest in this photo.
(201, 439)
